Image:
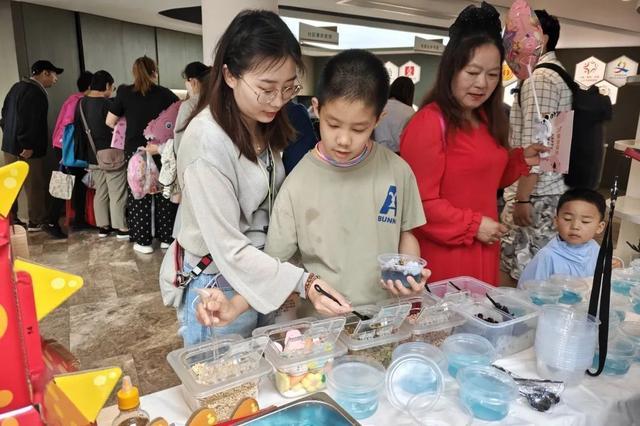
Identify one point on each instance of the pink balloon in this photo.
(522, 39)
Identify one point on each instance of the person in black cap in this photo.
(26, 136)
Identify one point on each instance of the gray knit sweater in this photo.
(223, 204)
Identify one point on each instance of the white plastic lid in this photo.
(414, 383)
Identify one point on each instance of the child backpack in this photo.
(590, 110)
(69, 148)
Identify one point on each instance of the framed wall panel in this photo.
(175, 51)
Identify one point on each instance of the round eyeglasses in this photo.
(268, 96)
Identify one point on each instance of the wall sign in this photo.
(609, 90)
(308, 32)
(589, 72)
(435, 47)
(412, 70)
(392, 69)
(619, 69)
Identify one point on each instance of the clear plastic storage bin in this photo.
(221, 373)
(301, 352)
(460, 289)
(379, 335)
(509, 332)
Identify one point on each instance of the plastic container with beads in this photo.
(430, 320)
(301, 352)
(460, 290)
(220, 374)
(378, 335)
(510, 330)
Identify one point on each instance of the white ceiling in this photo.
(585, 23)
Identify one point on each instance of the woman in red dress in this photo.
(457, 147)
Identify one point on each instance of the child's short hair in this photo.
(356, 75)
(584, 194)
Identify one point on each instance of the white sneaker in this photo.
(143, 249)
(164, 246)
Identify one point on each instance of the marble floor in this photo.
(117, 318)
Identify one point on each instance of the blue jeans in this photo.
(191, 330)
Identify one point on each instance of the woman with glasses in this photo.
(230, 169)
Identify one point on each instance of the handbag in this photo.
(61, 184)
(68, 148)
(172, 278)
(109, 159)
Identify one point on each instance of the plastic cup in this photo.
(542, 292)
(573, 288)
(631, 330)
(620, 354)
(465, 349)
(486, 392)
(623, 280)
(395, 266)
(414, 379)
(635, 299)
(356, 382)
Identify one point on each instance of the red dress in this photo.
(458, 181)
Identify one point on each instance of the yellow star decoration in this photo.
(12, 177)
(51, 287)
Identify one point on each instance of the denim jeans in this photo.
(191, 330)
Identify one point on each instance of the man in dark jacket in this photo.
(26, 136)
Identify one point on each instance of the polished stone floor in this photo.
(117, 318)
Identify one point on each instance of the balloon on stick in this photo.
(522, 39)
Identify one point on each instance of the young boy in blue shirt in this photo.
(579, 218)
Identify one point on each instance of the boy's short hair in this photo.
(84, 81)
(584, 194)
(356, 75)
(550, 27)
(101, 79)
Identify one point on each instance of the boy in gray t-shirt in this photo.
(349, 199)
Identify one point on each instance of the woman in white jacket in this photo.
(230, 169)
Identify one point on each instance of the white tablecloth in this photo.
(603, 400)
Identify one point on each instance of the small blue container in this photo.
(355, 382)
(543, 293)
(421, 348)
(635, 299)
(574, 289)
(631, 330)
(466, 349)
(623, 280)
(414, 382)
(620, 354)
(486, 392)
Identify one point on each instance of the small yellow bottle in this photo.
(129, 404)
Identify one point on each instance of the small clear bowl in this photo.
(574, 289)
(466, 349)
(631, 331)
(623, 280)
(620, 355)
(356, 382)
(543, 292)
(421, 348)
(395, 266)
(413, 377)
(486, 392)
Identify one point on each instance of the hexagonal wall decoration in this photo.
(619, 69)
(412, 70)
(589, 72)
(609, 90)
(392, 69)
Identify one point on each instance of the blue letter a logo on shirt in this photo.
(390, 202)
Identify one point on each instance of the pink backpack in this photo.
(142, 174)
(160, 129)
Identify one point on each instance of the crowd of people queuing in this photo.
(249, 225)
